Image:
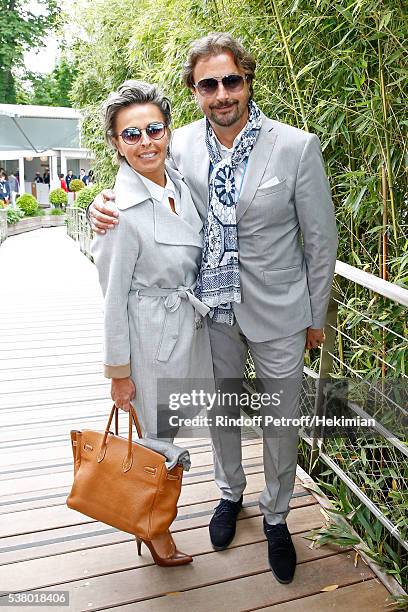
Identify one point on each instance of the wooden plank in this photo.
(10, 456)
(59, 541)
(18, 491)
(369, 596)
(87, 302)
(45, 373)
(46, 332)
(63, 381)
(55, 496)
(21, 329)
(32, 398)
(54, 432)
(234, 579)
(60, 408)
(40, 573)
(48, 313)
(59, 317)
(32, 467)
(63, 478)
(239, 594)
(25, 344)
(87, 356)
(60, 516)
(33, 353)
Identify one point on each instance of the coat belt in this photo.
(172, 322)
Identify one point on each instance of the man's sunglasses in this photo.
(233, 83)
(133, 135)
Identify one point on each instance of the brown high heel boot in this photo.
(163, 550)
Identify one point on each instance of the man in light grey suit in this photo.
(268, 263)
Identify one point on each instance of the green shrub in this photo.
(13, 214)
(85, 196)
(58, 197)
(28, 204)
(57, 211)
(76, 185)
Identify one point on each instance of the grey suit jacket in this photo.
(287, 231)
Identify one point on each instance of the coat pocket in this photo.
(169, 335)
(282, 275)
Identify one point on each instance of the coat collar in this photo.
(129, 188)
(184, 229)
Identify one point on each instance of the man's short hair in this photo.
(214, 44)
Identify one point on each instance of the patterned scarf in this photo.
(218, 283)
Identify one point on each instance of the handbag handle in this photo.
(135, 420)
(127, 462)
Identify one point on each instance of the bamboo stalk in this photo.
(384, 272)
(290, 62)
(340, 345)
(387, 143)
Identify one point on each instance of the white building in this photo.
(33, 138)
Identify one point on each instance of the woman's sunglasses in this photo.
(233, 83)
(133, 135)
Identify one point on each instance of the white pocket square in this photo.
(273, 181)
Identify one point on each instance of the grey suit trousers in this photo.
(279, 367)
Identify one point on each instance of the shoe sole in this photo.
(280, 579)
(219, 548)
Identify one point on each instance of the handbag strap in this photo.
(132, 419)
(132, 412)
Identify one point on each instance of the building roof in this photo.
(47, 112)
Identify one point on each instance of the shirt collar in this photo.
(156, 191)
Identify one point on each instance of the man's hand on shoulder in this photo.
(314, 338)
(101, 214)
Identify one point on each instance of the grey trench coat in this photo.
(154, 327)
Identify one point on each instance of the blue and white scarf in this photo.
(218, 283)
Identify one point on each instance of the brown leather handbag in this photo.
(121, 483)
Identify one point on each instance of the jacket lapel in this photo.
(257, 162)
(183, 229)
(201, 168)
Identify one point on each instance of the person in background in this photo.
(83, 176)
(63, 183)
(69, 178)
(46, 176)
(91, 179)
(4, 189)
(14, 187)
(38, 178)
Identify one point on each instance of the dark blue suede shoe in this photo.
(223, 523)
(281, 552)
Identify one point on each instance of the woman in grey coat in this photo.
(154, 326)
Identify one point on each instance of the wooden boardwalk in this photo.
(50, 383)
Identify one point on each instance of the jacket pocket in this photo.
(271, 190)
(282, 275)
